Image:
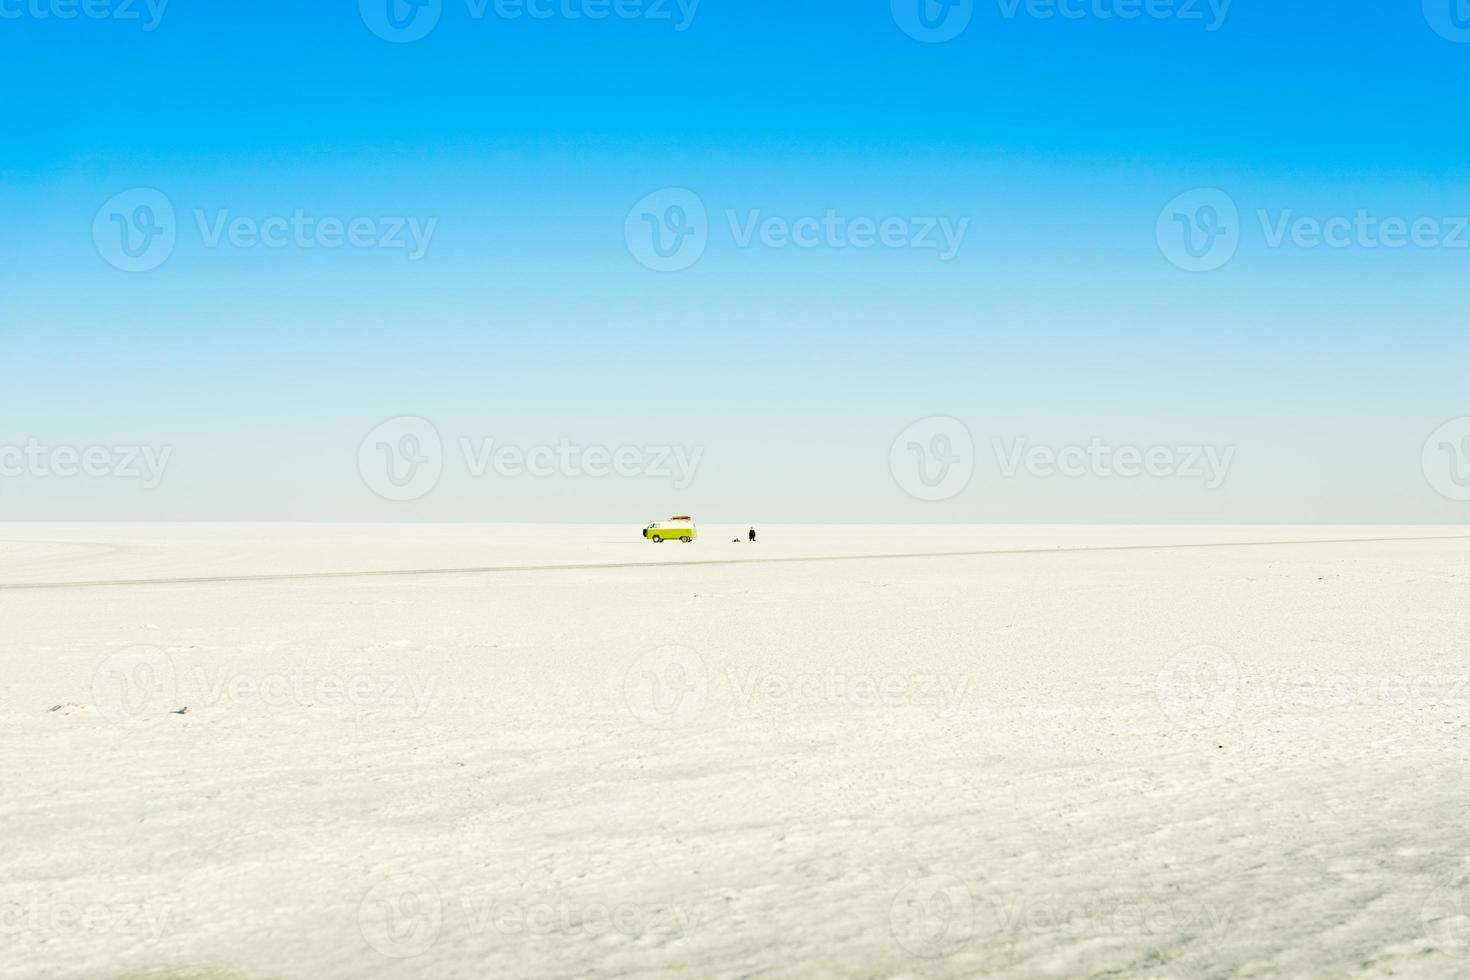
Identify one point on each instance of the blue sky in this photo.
(521, 148)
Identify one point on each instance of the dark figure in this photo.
(752, 535)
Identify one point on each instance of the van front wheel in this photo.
(657, 539)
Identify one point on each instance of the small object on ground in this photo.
(182, 711)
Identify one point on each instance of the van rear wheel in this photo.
(686, 539)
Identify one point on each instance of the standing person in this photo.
(752, 535)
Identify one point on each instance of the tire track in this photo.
(698, 562)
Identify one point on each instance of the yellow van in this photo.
(681, 528)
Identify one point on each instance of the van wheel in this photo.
(657, 539)
(686, 539)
